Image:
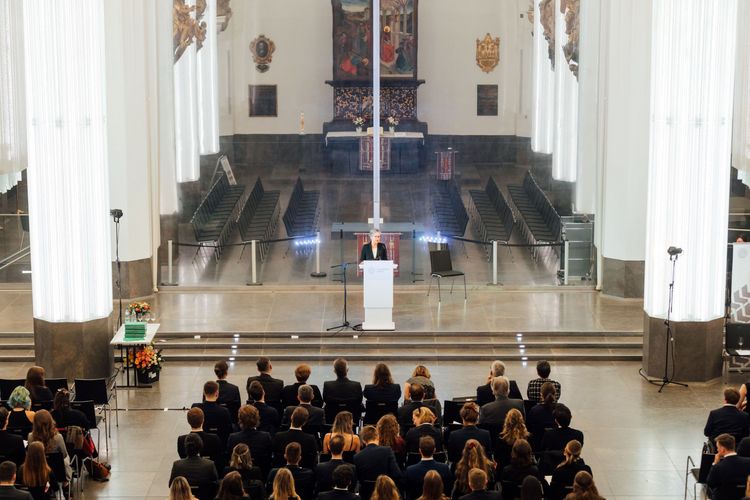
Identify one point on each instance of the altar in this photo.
(345, 151)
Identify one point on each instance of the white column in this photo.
(741, 127)
(543, 91)
(376, 114)
(565, 156)
(12, 100)
(187, 159)
(67, 149)
(208, 85)
(164, 123)
(692, 81)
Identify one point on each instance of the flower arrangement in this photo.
(139, 310)
(358, 121)
(392, 121)
(146, 359)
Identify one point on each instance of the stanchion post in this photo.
(494, 262)
(317, 273)
(565, 271)
(439, 247)
(170, 270)
(253, 264)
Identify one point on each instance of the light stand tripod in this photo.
(116, 214)
(343, 326)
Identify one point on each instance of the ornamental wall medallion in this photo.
(488, 53)
(262, 49)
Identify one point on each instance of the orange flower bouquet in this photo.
(146, 359)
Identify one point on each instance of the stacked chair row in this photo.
(301, 215)
(448, 209)
(541, 222)
(259, 217)
(213, 220)
(492, 217)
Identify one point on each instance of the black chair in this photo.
(375, 410)
(55, 384)
(442, 267)
(41, 405)
(8, 384)
(87, 408)
(101, 392)
(56, 462)
(366, 487)
(204, 491)
(452, 411)
(332, 409)
(700, 473)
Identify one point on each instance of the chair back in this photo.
(87, 408)
(56, 462)
(375, 410)
(334, 408)
(528, 405)
(55, 384)
(41, 405)
(730, 491)
(8, 384)
(366, 487)
(494, 430)
(91, 389)
(452, 411)
(440, 261)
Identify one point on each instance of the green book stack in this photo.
(135, 331)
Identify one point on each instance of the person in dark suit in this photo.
(559, 437)
(258, 441)
(197, 470)
(273, 387)
(415, 473)
(295, 434)
(324, 479)
(374, 250)
(373, 461)
(269, 417)
(457, 439)
(728, 419)
(316, 416)
(211, 445)
(382, 389)
(342, 389)
(728, 469)
(229, 394)
(423, 426)
(11, 445)
(478, 486)
(540, 417)
(289, 393)
(216, 418)
(8, 481)
(406, 412)
(565, 472)
(343, 483)
(494, 413)
(304, 480)
(484, 392)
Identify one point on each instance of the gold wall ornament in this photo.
(223, 14)
(262, 49)
(185, 28)
(488, 53)
(547, 20)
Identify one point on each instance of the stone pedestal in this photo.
(623, 278)
(136, 279)
(697, 349)
(74, 350)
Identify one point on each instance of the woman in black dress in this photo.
(374, 250)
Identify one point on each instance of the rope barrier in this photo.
(242, 243)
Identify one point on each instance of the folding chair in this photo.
(441, 267)
(699, 474)
(101, 392)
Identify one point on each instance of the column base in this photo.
(136, 279)
(74, 350)
(623, 278)
(697, 349)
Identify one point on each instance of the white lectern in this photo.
(378, 295)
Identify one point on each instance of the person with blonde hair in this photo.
(389, 434)
(424, 421)
(36, 474)
(514, 428)
(421, 376)
(584, 488)
(565, 473)
(283, 486)
(343, 425)
(45, 431)
(180, 490)
(385, 489)
(473, 457)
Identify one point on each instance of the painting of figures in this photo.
(398, 39)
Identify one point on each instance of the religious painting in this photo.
(487, 100)
(353, 39)
(262, 100)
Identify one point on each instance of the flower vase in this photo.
(359, 130)
(147, 376)
(392, 129)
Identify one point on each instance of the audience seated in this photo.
(728, 471)
(198, 471)
(35, 385)
(304, 479)
(45, 431)
(514, 428)
(385, 489)
(478, 486)
(210, 443)
(324, 479)
(564, 474)
(420, 376)
(21, 417)
(229, 394)
(343, 425)
(295, 434)
(540, 417)
(305, 396)
(728, 419)
(534, 389)
(457, 439)
(11, 445)
(584, 488)
(256, 440)
(382, 389)
(473, 457)
(484, 392)
(342, 390)
(389, 434)
(289, 393)
(283, 486)
(494, 413)
(432, 487)
(272, 387)
(64, 415)
(423, 420)
(406, 412)
(558, 438)
(36, 475)
(415, 474)
(242, 462)
(373, 461)
(180, 490)
(343, 480)
(232, 488)
(216, 418)
(269, 416)
(8, 481)
(521, 465)
(531, 489)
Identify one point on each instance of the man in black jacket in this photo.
(728, 470)
(304, 481)
(342, 389)
(11, 445)
(478, 486)
(229, 394)
(343, 483)
(457, 439)
(216, 418)
(295, 434)
(289, 393)
(484, 392)
(258, 441)
(416, 393)
(269, 417)
(372, 461)
(415, 473)
(556, 439)
(324, 479)
(8, 481)
(271, 386)
(728, 419)
(211, 445)
(494, 413)
(198, 471)
(316, 416)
